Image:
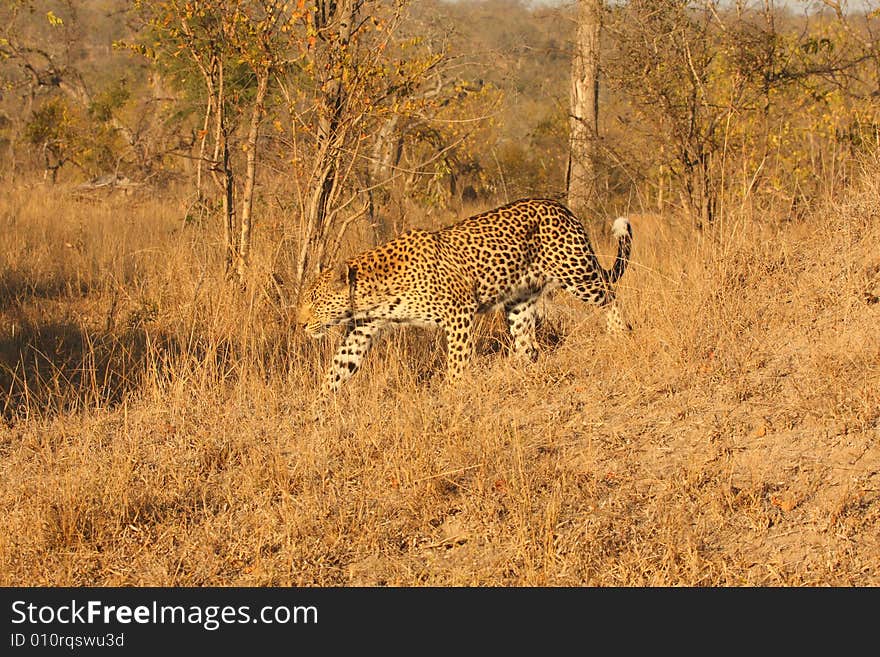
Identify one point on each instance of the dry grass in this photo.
(157, 427)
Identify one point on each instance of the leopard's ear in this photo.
(344, 273)
(340, 272)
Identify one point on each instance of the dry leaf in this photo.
(786, 502)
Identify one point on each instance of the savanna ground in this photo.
(158, 425)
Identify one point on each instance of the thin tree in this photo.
(219, 37)
(584, 98)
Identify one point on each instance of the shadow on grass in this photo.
(59, 367)
(16, 286)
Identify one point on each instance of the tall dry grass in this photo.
(158, 427)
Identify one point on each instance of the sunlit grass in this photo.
(158, 422)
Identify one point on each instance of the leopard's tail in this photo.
(622, 230)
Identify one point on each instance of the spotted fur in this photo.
(503, 258)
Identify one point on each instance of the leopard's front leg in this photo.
(356, 342)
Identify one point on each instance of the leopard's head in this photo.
(327, 302)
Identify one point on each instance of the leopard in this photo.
(504, 258)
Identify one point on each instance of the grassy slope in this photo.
(159, 427)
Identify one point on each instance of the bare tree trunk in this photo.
(244, 242)
(331, 107)
(200, 162)
(227, 184)
(386, 154)
(228, 208)
(584, 118)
